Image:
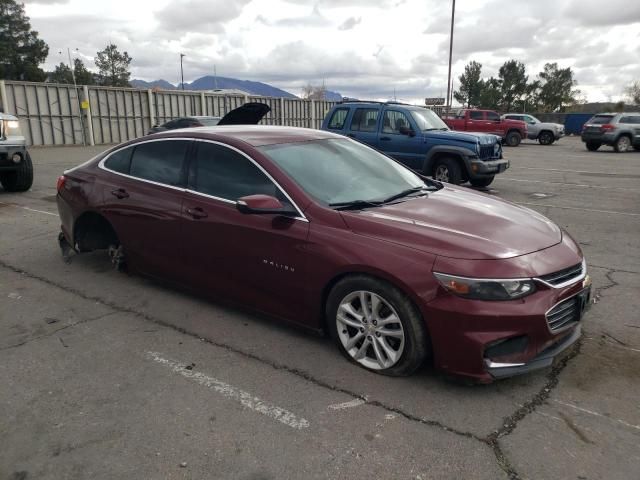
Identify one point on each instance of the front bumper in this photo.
(6, 154)
(479, 168)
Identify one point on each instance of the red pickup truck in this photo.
(487, 121)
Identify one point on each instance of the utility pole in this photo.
(181, 70)
(449, 92)
(75, 86)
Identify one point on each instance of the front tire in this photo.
(623, 144)
(546, 138)
(376, 326)
(447, 169)
(21, 179)
(513, 139)
(593, 146)
(482, 182)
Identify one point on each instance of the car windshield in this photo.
(209, 122)
(601, 119)
(428, 120)
(337, 171)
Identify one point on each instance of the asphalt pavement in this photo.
(109, 375)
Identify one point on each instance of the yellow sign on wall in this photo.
(84, 104)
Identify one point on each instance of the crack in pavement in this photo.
(492, 440)
(57, 330)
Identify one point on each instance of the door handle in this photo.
(120, 193)
(385, 139)
(351, 135)
(197, 213)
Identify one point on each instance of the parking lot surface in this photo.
(108, 375)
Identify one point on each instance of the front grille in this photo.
(564, 314)
(563, 276)
(487, 152)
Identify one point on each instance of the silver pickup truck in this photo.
(545, 132)
(16, 169)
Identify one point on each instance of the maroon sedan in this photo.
(322, 231)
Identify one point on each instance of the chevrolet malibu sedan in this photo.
(325, 232)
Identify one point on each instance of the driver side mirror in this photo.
(407, 131)
(263, 205)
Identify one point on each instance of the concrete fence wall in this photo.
(54, 114)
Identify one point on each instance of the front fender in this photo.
(462, 153)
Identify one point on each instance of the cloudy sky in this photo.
(360, 48)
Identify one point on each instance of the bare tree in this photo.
(310, 92)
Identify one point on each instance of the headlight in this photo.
(485, 289)
(13, 124)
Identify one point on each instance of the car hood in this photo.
(470, 137)
(460, 223)
(248, 114)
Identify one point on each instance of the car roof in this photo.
(255, 135)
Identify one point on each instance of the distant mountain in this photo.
(163, 84)
(256, 88)
(212, 83)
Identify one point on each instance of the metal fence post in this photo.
(3, 97)
(312, 114)
(203, 104)
(152, 109)
(85, 90)
(281, 110)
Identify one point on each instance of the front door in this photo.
(395, 140)
(259, 260)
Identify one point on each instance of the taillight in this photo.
(606, 126)
(60, 184)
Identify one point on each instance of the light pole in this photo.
(75, 87)
(181, 70)
(449, 92)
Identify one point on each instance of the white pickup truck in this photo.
(545, 132)
(16, 169)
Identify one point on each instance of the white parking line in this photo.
(30, 209)
(597, 414)
(571, 171)
(245, 398)
(342, 406)
(578, 208)
(581, 185)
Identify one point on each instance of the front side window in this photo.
(119, 161)
(338, 118)
(225, 173)
(493, 116)
(365, 120)
(394, 122)
(341, 170)
(160, 161)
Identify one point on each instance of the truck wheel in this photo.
(20, 179)
(593, 146)
(546, 138)
(482, 182)
(623, 144)
(513, 139)
(446, 169)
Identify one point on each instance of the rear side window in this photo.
(365, 120)
(160, 162)
(224, 173)
(630, 119)
(476, 115)
(601, 119)
(512, 117)
(338, 118)
(119, 161)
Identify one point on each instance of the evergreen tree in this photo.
(21, 51)
(470, 90)
(113, 67)
(513, 84)
(556, 88)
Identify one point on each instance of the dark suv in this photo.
(619, 130)
(418, 138)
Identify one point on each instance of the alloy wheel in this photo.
(623, 144)
(442, 173)
(370, 330)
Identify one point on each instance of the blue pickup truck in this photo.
(418, 138)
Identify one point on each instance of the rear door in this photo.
(364, 125)
(142, 198)
(259, 260)
(403, 147)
